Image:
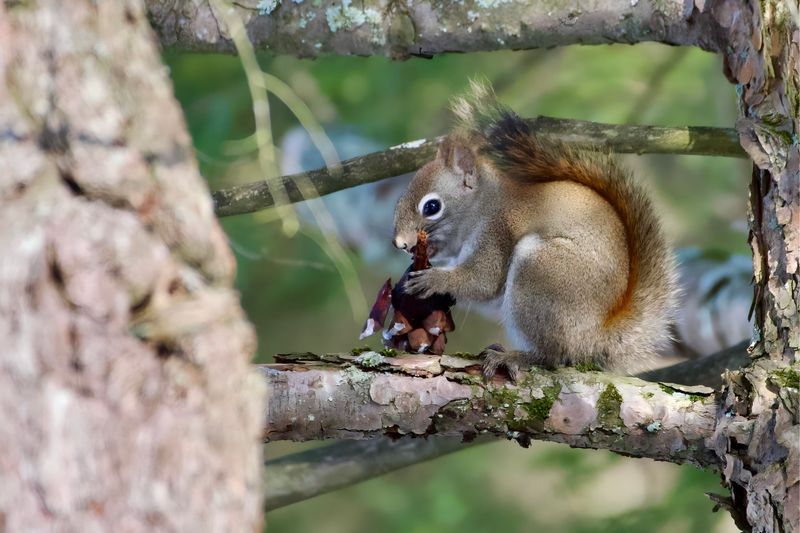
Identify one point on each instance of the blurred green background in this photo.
(294, 295)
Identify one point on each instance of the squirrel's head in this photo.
(437, 198)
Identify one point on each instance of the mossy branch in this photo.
(348, 396)
(409, 156)
(303, 475)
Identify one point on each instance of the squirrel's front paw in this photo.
(426, 283)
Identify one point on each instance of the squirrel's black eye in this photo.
(431, 207)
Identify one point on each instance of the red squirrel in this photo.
(560, 242)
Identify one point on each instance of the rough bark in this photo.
(424, 28)
(760, 435)
(125, 392)
(410, 156)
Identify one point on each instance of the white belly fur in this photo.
(525, 248)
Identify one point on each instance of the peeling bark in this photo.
(759, 435)
(337, 396)
(410, 156)
(424, 28)
(125, 392)
(297, 477)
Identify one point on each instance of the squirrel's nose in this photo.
(400, 243)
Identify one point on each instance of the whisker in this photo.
(435, 224)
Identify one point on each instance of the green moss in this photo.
(647, 395)
(505, 397)
(672, 391)
(785, 136)
(466, 379)
(786, 377)
(538, 409)
(587, 367)
(608, 405)
(772, 119)
(359, 351)
(386, 352)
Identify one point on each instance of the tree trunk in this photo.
(125, 392)
(759, 434)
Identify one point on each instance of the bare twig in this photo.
(297, 477)
(703, 370)
(410, 156)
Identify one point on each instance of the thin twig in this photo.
(407, 157)
(300, 476)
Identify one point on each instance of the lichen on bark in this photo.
(423, 28)
(436, 395)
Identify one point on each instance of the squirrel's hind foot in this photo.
(495, 357)
(494, 360)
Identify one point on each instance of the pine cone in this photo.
(418, 324)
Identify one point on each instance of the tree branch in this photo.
(410, 156)
(297, 477)
(703, 370)
(348, 396)
(300, 476)
(401, 30)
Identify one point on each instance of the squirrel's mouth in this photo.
(432, 250)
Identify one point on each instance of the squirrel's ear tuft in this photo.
(459, 157)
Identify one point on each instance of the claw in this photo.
(494, 359)
(417, 286)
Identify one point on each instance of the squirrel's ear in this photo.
(460, 158)
(445, 150)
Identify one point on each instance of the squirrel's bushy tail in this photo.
(640, 317)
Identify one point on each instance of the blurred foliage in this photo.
(293, 294)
